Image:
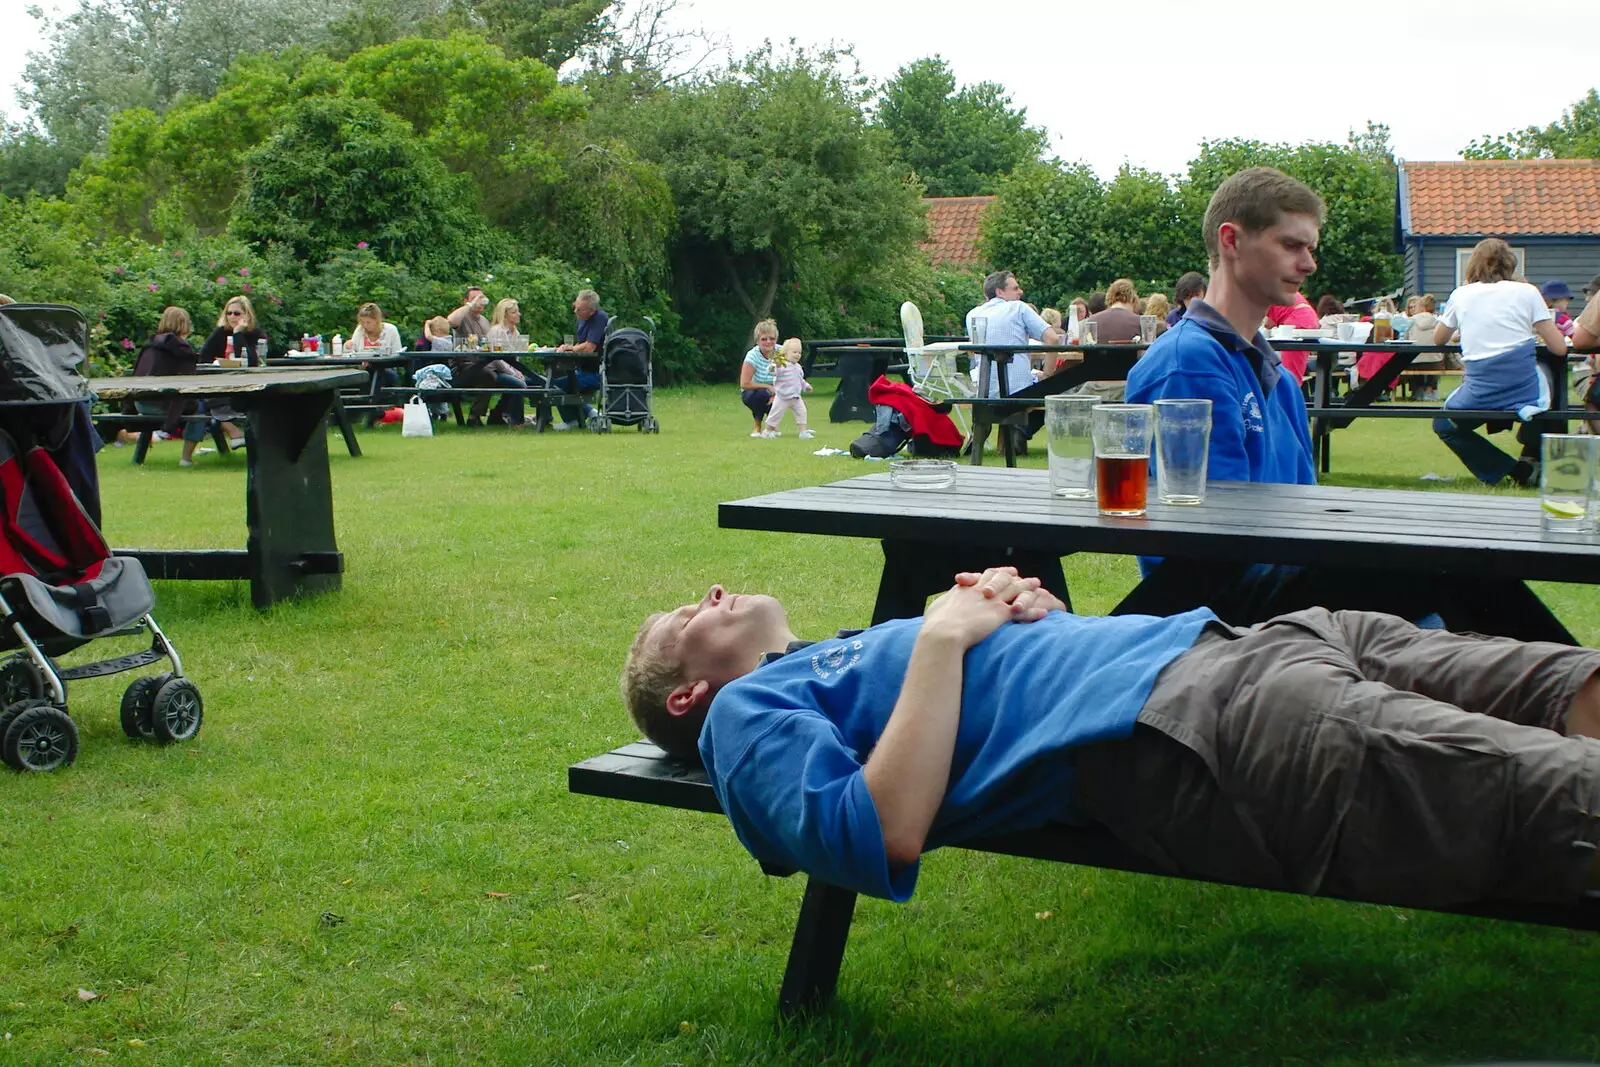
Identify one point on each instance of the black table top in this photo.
(1381, 529)
(338, 361)
(228, 383)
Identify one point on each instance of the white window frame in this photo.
(1464, 254)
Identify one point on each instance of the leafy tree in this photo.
(774, 170)
(1047, 226)
(339, 172)
(1357, 182)
(31, 162)
(958, 143)
(46, 256)
(1575, 135)
(1140, 217)
(551, 31)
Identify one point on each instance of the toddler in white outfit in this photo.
(789, 381)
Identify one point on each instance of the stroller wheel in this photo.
(650, 425)
(20, 679)
(40, 738)
(178, 711)
(138, 703)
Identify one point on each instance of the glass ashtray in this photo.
(922, 473)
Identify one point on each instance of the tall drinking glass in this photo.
(1070, 434)
(1122, 435)
(979, 330)
(1183, 441)
(1088, 333)
(1567, 482)
(1148, 324)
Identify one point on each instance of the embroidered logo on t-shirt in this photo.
(836, 659)
(1251, 409)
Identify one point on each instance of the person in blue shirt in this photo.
(589, 336)
(1345, 753)
(1261, 233)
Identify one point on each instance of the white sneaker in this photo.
(558, 426)
(757, 433)
(204, 451)
(806, 435)
(236, 443)
(769, 434)
(185, 462)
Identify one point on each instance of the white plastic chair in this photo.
(933, 367)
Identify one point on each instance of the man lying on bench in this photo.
(1345, 753)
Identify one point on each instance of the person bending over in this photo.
(1344, 753)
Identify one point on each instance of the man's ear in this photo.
(1228, 237)
(689, 697)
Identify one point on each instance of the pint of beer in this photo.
(1122, 435)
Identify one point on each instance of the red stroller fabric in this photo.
(925, 421)
(45, 530)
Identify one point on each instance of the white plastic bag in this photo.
(416, 423)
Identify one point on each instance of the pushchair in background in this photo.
(627, 381)
(60, 586)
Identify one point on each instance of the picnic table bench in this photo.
(996, 516)
(290, 546)
(1328, 412)
(1017, 406)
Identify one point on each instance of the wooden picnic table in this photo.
(995, 516)
(1403, 354)
(290, 546)
(1015, 406)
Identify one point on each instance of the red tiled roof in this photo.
(1505, 196)
(953, 229)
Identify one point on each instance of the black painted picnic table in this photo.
(1016, 406)
(1403, 354)
(290, 546)
(996, 516)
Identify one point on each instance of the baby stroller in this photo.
(60, 587)
(626, 381)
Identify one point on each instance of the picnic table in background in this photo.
(1330, 412)
(290, 546)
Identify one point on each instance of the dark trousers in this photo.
(759, 401)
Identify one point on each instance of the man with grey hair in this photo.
(589, 337)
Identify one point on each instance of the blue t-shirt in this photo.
(592, 329)
(785, 745)
(1259, 431)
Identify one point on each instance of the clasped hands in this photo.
(978, 604)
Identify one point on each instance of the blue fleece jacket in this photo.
(1259, 431)
(785, 745)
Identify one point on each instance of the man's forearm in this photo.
(909, 770)
(455, 317)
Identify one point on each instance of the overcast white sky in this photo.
(1146, 82)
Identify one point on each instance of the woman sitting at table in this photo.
(1420, 330)
(374, 337)
(238, 320)
(476, 372)
(169, 353)
(1498, 317)
(1119, 322)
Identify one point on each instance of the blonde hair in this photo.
(500, 309)
(650, 673)
(1413, 304)
(438, 326)
(4, 299)
(1158, 305)
(1051, 317)
(369, 310)
(1492, 261)
(766, 328)
(244, 306)
(175, 320)
(1429, 302)
(1121, 291)
(790, 351)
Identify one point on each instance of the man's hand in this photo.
(1030, 606)
(971, 611)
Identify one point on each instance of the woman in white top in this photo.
(1498, 317)
(372, 336)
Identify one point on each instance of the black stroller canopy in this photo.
(42, 347)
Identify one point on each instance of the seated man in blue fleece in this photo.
(1342, 753)
(1261, 230)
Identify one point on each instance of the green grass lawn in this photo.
(369, 854)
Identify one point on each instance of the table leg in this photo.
(141, 448)
(916, 570)
(289, 498)
(818, 948)
(977, 438)
(346, 427)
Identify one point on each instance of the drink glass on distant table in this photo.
(1148, 324)
(1122, 434)
(1183, 441)
(1567, 482)
(1088, 333)
(1070, 436)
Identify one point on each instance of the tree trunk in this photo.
(769, 292)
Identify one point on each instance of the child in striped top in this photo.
(789, 381)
